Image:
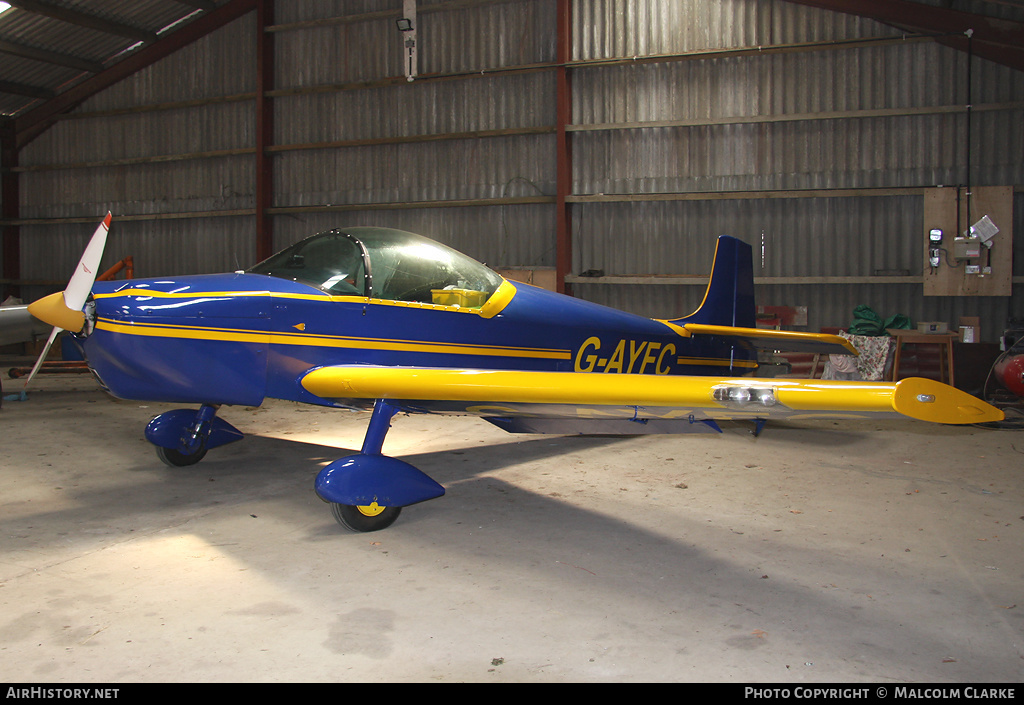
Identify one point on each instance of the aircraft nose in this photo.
(63, 310)
(53, 309)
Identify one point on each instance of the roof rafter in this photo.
(991, 38)
(83, 19)
(36, 121)
(199, 4)
(25, 90)
(50, 57)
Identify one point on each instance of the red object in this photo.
(1011, 372)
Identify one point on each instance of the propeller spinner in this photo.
(63, 310)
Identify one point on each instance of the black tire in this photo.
(177, 459)
(364, 519)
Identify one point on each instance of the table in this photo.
(943, 340)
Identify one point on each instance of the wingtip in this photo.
(928, 400)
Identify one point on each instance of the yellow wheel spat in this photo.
(371, 510)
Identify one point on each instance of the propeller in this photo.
(63, 310)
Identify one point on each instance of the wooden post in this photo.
(264, 129)
(563, 160)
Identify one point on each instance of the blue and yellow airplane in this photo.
(388, 321)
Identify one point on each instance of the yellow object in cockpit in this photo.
(466, 298)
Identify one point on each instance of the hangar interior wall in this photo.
(812, 135)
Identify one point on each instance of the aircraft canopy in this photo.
(383, 263)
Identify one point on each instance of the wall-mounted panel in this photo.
(979, 265)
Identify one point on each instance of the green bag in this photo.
(898, 321)
(867, 322)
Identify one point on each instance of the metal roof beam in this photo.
(25, 90)
(36, 121)
(200, 4)
(83, 19)
(992, 38)
(50, 57)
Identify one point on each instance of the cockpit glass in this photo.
(330, 261)
(402, 267)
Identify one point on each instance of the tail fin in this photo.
(729, 299)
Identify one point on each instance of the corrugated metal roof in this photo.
(48, 46)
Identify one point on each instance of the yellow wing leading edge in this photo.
(917, 398)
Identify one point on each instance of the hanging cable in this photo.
(970, 61)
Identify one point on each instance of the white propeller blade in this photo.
(42, 356)
(77, 292)
(78, 288)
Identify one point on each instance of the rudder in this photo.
(729, 299)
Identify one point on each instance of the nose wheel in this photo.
(372, 517)
(177, 459)
(183, 436)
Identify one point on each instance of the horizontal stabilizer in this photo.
(767, 339)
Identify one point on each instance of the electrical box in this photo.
(968, 260)
(966, 248)
(934, 247)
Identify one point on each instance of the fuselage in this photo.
(239, 338)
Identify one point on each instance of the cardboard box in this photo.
(970, 329)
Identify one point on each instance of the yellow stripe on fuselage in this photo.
(324, 341)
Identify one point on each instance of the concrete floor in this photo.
(873, 552)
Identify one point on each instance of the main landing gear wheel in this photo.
(177, 459)
(364, 518)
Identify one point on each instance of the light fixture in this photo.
(407, 26)
(739, 397)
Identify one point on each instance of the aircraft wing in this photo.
(517, 393)
(17, 325)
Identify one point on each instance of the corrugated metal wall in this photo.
(881, 120)
(459, 44)
(174, 146)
